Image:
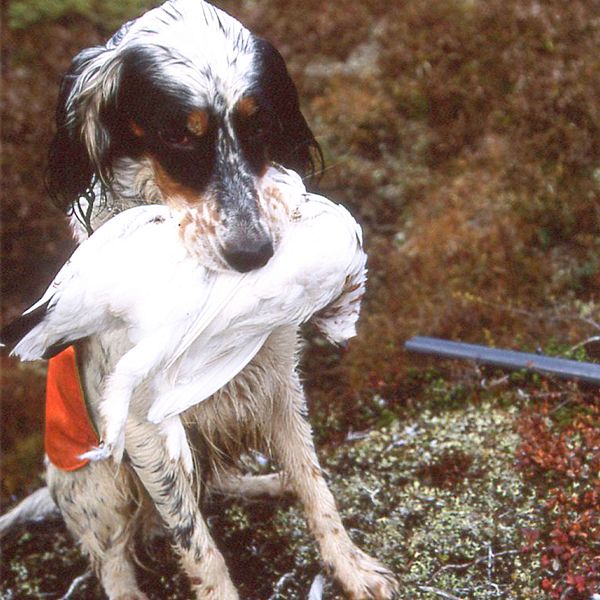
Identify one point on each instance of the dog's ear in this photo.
(78, 153)
(293, 145)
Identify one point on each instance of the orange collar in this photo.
(69, 428)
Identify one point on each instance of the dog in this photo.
(191, 337)
(185, 107)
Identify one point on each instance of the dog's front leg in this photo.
(173, 494)
(361, 576)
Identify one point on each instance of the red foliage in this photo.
(560, 453)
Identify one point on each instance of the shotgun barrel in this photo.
(507, 359)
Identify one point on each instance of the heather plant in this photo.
(560, 454)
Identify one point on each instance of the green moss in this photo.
(109, 14)
(439, 530)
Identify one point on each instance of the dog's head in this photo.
(187, 107)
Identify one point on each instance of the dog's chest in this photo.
(239, 417)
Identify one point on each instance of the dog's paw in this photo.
(365, 578)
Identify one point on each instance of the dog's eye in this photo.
(257, 127)
(176, 137)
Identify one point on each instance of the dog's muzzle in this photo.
(250, 255)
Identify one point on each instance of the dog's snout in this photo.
(250, 256)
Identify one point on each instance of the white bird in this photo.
(193, 329)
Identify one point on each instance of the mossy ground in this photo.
(464, 136)
(435, 495)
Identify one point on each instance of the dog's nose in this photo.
(251, 256)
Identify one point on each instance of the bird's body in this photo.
(193, 329)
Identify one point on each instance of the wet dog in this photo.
(185, 107)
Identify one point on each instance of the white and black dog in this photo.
(185, 107)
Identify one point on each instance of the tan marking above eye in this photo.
(247, 107)
(137, 130)
(197, 122)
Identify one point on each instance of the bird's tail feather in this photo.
(16, 330)
(27, 338)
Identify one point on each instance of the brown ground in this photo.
(464, 136)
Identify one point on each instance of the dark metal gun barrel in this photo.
(507, 359)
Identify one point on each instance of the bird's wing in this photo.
(322, 253)
(220, 290)
(337, 320)
(217, 370)
(75, 304)
(55, 321)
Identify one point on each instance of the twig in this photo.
(490, 563)
(566, 593)
(280, 583)
(372, 494)
(588, 321)
(75, 584)
(546, 315)
(590, 340)
(561, 405)
(438, 592)
(494, 383)
(474, 562)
